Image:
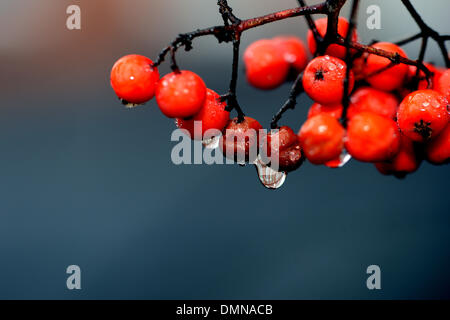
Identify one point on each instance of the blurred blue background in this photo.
(86, 182)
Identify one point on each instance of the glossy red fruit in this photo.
(334, 50)
(389, 79)
(265, 64)
(321, 138)
(323, 79)
(423, 114)
(438, 149)
(240, 140)
(372, 138)
(294, 51)
(133, 79)
(284, 146)
(368, 99)
(180, 94)
(443, 84)
(404, 162)
(212, 116)
(334, 110)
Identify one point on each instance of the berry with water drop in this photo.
(323, 79)
(284, 147)
(322, 138)
(423, 114)
(213, 115)
(180, 94)
(240, 140)
(134, 79)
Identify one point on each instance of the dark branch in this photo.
(409, 39)
(231, 97)
(348, 61)
(312, 26)
(226, 32)
(227, 13)
(296, 90)
(394, 57)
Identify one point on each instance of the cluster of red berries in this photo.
(393, 120)
(181, 94)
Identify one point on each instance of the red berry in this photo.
(423, 114)
(323, 79)
(241, 139)
(212, 116)
(334, 50)
(404, 162)
(265, 65)
(438, 149)
(293, 50)
(389, 79)
(284, 146)
(372, 138)
(369, 99)
(180, 94)
(443, 84)
(133, 79)
(322, 138)
(334, 110)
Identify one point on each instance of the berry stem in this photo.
(231, 97)
(409, 39)
(312, 26)
(349, 62)
(227, 13)
(291, 102)
(173, 62)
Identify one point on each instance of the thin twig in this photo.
(227, 13)
(291, 102)
(231, 97)
(312, 26)
(348, 61)
(394, 57)
(427, 32)
(409, 39)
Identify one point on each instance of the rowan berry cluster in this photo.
(382, 110)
